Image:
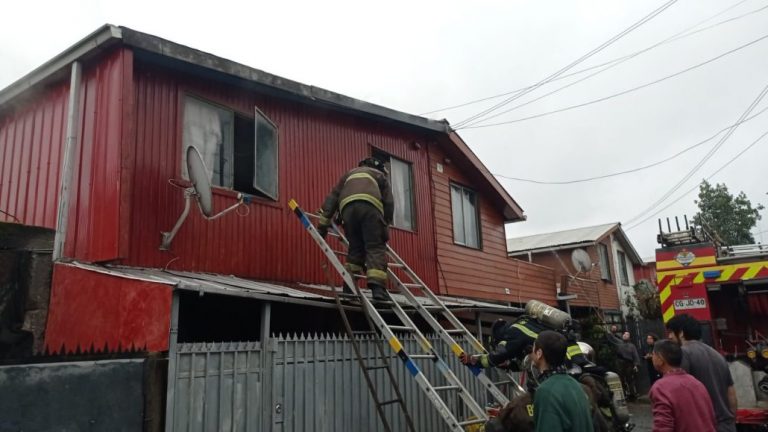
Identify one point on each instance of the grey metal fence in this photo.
(311, 383)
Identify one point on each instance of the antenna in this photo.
(201, 191)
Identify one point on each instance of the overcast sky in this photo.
(418, 56)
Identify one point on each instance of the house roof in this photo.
(228, 285)
(571, 239)
(152, 47)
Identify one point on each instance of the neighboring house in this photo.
(609, 282)
(142, 101)
(646, 271)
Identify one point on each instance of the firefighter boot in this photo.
(378, 291)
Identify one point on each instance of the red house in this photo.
(140, 101)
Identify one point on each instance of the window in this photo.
(401, 181)
(623, 275)
(240, 153)
(466, 228)
(605, 263)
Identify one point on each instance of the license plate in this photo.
(691, 303)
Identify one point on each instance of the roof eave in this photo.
(550, 248)
(104, 37)
(512, 212)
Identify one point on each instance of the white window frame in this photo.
(605, 262)
(623, 271)
(462, 189)
(230, 135)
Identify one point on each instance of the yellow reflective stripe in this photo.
(573, 351)
(363, 197)
(324, 220)
(528, 332)
(353, 268)
(529, 407)
(665, 293)
(362, 176)
(376, 274)
(669, 313)
(484, 361)
(395, 344)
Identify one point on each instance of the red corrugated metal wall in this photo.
(93, 311)
(483, 273)
(31, 153)
(315, 147)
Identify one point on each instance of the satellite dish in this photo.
(581, 260)
(198, 175)
(201, 192)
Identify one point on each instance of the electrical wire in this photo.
(678, 36)
(632, 170)
(571, 65)
(10, 215)
(703, 160)
(683, 195)
(621, 93)
(609, 66)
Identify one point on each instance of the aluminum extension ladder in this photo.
(433, 393)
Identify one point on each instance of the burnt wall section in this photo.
(25, 288)
(77, 396)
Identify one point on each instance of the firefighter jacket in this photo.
(513, 342)
(360, 184)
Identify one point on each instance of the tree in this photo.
(725, 216)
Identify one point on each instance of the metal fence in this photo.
(311, 383)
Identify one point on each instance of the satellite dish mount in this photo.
(200, 190)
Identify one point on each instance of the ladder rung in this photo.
(454, 331)
(413, 285)
(338, 252)
(471, 422)
(445, 388)
(389, 402)
(334, 234)
(380, 366)
(422, 356)
(395, 265)
(359, 276)
(401, 328)
(503, 382)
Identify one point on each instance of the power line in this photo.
(632, 170)
(571, 65)
(572, 84)
(635, 225)
(705, 158)
(610, 65)
(621, 93)
(678, 36)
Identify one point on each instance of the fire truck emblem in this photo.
(685, 257)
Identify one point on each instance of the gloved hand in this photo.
(323, 230)
(468, 360)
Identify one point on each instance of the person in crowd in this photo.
(629, 363)
(650, 341)
(708, 366)
(559, 403)
(679, 402)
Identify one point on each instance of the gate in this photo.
(215, 387)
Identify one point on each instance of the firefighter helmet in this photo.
(373, 162)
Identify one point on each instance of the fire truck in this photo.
(725, 287)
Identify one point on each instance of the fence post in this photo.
(266, 366)
(172, 359)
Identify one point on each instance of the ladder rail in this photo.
(385, 359)
(453, 423)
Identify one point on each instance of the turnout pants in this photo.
(367, 233)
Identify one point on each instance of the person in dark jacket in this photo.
(629, 363)
(510, 342)
(650, 341)
(363, 199)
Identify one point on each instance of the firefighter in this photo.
(363, 199)
(511, 342)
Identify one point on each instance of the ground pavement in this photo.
(641, 415)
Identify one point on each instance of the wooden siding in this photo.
(487, 272)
